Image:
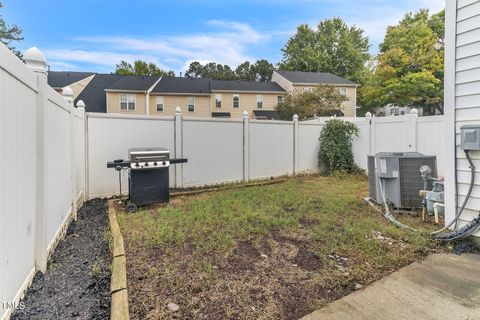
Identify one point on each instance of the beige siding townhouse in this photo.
(196, 97)
(191, 95)
(233, 98)
(293, 81)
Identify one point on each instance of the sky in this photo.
(95, 35)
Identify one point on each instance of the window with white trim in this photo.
(191, 104)
(159, 103)
(131, 102)
(342, 91)
(127, 102)
(259, 101)
(123, 102)
(279, 99)
(218, 100)
(236, 101)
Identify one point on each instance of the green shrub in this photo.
(336, 146)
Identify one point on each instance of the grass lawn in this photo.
(267, 252)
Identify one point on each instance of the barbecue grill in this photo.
(148, 178)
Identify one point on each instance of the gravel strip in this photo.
(76, 284)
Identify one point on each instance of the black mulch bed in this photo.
(77, 282)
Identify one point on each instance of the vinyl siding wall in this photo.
(462, 100)
(113, 101)
(171, 102)
(248, 102)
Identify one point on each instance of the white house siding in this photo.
(462, 101)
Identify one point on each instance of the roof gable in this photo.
(60, 79)
(94, 94)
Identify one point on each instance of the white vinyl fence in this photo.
(229, 150)
(42, 173)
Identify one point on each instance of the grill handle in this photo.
(150, 158)
(178, 160)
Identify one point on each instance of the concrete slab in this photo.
(444, 286)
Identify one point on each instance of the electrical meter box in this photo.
(470, 137)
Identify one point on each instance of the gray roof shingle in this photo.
(229, 85)
(183, 85)
(94, 94)
(60, 79)
(133, 83)
(314, 77)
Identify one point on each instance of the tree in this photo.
(9, 34)
(325, 100)
(142, 68)
(263, 70)
(260, 71)
(333, 47)
(409, 70)
(246, 71)
(195, 70)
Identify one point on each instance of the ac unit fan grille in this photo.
(411, 181)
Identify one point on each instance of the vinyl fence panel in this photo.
(38, 181)
(214, 148)
(271, 149)
(18, 94)
(110, 137)
(309, 146)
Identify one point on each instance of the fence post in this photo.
(295, 144)
(246, 147)
(412, 129)
(178, 147)
(35, 60)
(368, 117)
(81, 107)
(67, 94)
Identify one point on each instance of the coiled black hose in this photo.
(459, 212)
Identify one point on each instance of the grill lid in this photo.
(149, 158)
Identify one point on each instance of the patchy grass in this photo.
(269, 252)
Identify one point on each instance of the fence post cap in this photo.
(368, 114)
(245, 114)
(295, 117)
(67, 93)
(414, 111)
(35, 60)
(81, 104)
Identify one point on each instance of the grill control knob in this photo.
(146, 164)
(136, 164)
(155, 163)
(164, 163)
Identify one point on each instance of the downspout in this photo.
(147, 98)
